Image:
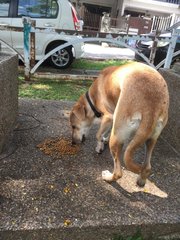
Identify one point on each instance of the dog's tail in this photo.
(143, 133)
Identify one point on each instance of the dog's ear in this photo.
(80, 112)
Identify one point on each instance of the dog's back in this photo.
(143, 94)
(134, 88)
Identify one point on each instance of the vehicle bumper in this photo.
(160, 55)
(78, 45)
(145, 52)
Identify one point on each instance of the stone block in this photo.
(8, 96)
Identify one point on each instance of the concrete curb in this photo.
(78, 74)
(64, 76)
(70, 74)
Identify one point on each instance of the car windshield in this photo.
(38, 8)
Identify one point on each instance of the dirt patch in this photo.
(58, 147)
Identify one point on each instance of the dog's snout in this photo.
(83, 138)
(73, 142)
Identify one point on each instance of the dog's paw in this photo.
(106, 140)
(100, 147)
(141, 182)
(107, 176)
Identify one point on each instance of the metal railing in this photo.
(170, 1)
(161, 23)
(29, 30)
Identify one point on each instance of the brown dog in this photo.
(132, 101)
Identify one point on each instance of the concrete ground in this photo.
(43, 197)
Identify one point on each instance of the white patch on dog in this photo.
(106, 139)
(107, 176)
(100, 147)
(158, 128)
(84, 130)
(129, 127)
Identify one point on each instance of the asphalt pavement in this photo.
(44, 197)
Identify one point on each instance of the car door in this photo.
(5, 20)
(46, 15)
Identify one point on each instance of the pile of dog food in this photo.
(58, 147)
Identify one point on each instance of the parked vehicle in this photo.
(162, 48)
(52, 14)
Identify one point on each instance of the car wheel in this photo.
(62, 58)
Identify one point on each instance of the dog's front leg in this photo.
(115, 148)
(102, 139)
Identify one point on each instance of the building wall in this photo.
(91, 11)
(150, 7)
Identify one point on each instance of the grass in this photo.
(52, 89)
(128, 238)
(61, 89)
(96, 65)
(137, 236)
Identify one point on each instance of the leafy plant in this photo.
(136, 236)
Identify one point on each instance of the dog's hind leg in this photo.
(129, 153)
(115, 148)
(150, 144)
(146, 170)
(142, 134)
(146, 134)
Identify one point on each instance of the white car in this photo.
(54, 14)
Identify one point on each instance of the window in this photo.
(38, 8)
(4, 8)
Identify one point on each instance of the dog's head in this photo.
(80, 122)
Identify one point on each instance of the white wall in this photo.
(153, 7)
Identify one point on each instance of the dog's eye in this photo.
(73, 127)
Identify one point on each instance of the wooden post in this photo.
(32, 44)
(154, 47)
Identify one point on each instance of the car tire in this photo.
(61, 59)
